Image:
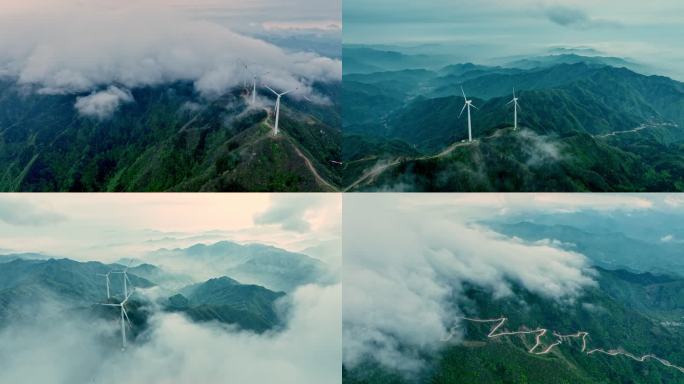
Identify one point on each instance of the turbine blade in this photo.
(510, 102)
(463, 92)
(127, 319)
(291, 90)
(514, 92)
(474, 106)
(462, 109)
(127, 297)
(270, 89)
(108, 305)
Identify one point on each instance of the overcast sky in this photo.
(87, 47)
(112, 226)
(236, 13)
(647, 31)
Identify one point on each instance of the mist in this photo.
(69, 346)
(89, 48)
(406, 265)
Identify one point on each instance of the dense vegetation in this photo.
(27, 284)
(570, 105)
(627, 310)
(169, 139)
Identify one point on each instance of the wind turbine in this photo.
(254, 82)
(277, 106)
(126, 280)
(467, 104)
(515, 110)
(124, 314)
(106, 276)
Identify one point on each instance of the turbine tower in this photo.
(515, 110)
(106, 276)
(124, 314)
(254, 82)
(467, 104)
(277, 106)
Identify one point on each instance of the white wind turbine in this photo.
(106, 276)
(126, 280)
(124, 319)
(515, 110)
(277, 106)
(467, 104)
(254, 82)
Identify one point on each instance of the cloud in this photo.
(23, 213)
(405, 268)
(176, 351)
(103, 104)
(291, 213)
(82, 47)
(568, 16)
(540, 149)
(325, 25)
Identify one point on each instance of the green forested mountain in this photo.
(169, 139)
(75, 286)
(638, 313)
(226, 300)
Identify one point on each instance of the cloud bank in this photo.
(176, 351)
(405, 267)
(87, 47)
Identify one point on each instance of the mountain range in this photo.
(608, 128)
(271, 267)
(640, 313)
(169, 139)
(72, 286)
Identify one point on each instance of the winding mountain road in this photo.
(538, 349)
(637, 129)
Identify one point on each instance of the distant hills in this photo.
(591, 108)
(76, 286)
(169, 139)
(268, 266)
(608, 249)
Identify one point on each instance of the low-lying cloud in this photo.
(568, 16)
(104, 103)
(175, 350)
(406, 265)
(88, 47)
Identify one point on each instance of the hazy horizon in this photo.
(488, 29)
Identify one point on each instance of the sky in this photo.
(100, 50)
(407, 258)
(109, 227)
(645, 31)
(243, 15)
